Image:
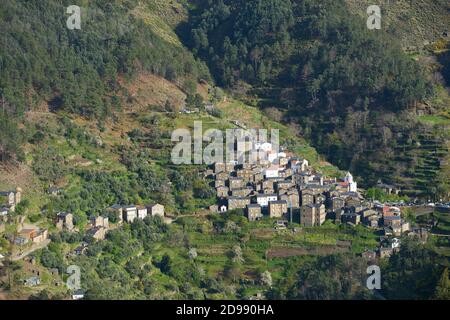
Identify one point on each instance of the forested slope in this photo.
(353, 91)
(77, 70)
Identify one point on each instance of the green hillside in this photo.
(90, 112)
(354, 92)
(415, 23)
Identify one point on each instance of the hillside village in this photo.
(281, 186)
(285, 187)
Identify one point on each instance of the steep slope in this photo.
(77, 70)
(75, 135)
(415, 23)
(353, 91)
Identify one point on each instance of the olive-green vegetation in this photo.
(226, 257)
(78, 70)
(348, 89)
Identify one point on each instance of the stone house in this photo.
(337, 203)
(238, 202)
(283, 185)
(292, 198)
(244, 192)
(156, 210)
(98, 233)
(34, 235)
(222, 192)
(141, 212)
(129, 213)
(11, 198)
(307, 197)
(372, 221)
(277, 208)
(253, 212)
(352, 202)
(235, 183)
(40, 236)
(7, 196)
(258, 177)
(100, 221)
(312, 215)
(267, 184)
(64, 220)
(338, 215)
(385, 252)
(307, 215)
(208, 173)
(229, 166)
(392, 221)
(245, 174)
(27, 233)
(268, 191)
(81, 249)
(286, 173)
(366, 213)
(351, 217)
(304, 178)
(389, 189)
(117, 210)
(222, 176)
(319, 199)
(283, 161)
(320, 214)
(405, 226)
(219, 183)
(369, 255)
(219, 167)
(256, 187)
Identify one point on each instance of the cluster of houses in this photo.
(285, 186)
(96, 228)
(132, 212)
(99, 225)
(28, 234)
(33, 235)
(8, 201)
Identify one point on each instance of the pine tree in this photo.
(443, 287)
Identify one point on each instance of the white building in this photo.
(352, 185)
(78, 295)
(141, 212)
(130, 213)
(272, 172)
(299, 165)
(3, 211)
(264, 146)
(395, 243)
(264, 199)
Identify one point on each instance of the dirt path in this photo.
(30, 250)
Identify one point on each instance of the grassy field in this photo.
(435, 119)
